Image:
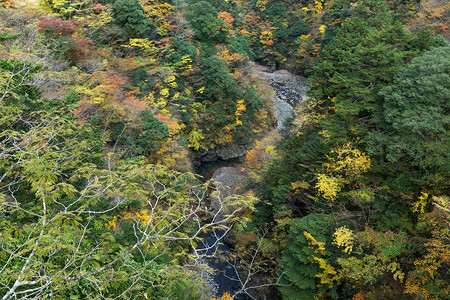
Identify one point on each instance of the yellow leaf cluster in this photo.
(322, 29)
(201, 90)
(240, 108)
(263, 152)
(194, 139)
(158, 12)
(186, 61)
(148, 47)
(345, 164)
(419, 206)
(96, 20)
(344, 237)
(328, 186)
(325, 134)
(64, 7)
(164, 92)
(394, 268)
(319, 246)
(270, 149)
(348, 161)
(298, 186)
(261, 5)
(112, 224)
(170, 79)
(318, 6)
(144, 217)
(329, 274)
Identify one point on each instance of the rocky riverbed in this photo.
(289, 90)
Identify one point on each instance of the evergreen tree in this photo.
(304, 260)
(416, 108)
(130, 16)
(149, 135)
(207, 26)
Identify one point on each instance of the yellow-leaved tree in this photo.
(429, 280)
(346, 164)
(65, 8)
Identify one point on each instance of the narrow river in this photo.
(289, 90)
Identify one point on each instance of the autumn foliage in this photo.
(65, 40)
(107, 108)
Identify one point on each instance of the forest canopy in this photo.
(109, 109)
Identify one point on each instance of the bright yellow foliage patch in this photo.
(148, 47)
(329, 274)
(420, 204)
(322, 29)
(63, 7)
(318, 6)
(344, 237)
(328, 186)
(348, 161)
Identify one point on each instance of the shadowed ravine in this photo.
(289, 90)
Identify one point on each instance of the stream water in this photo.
(289, 90)
(229, 173)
